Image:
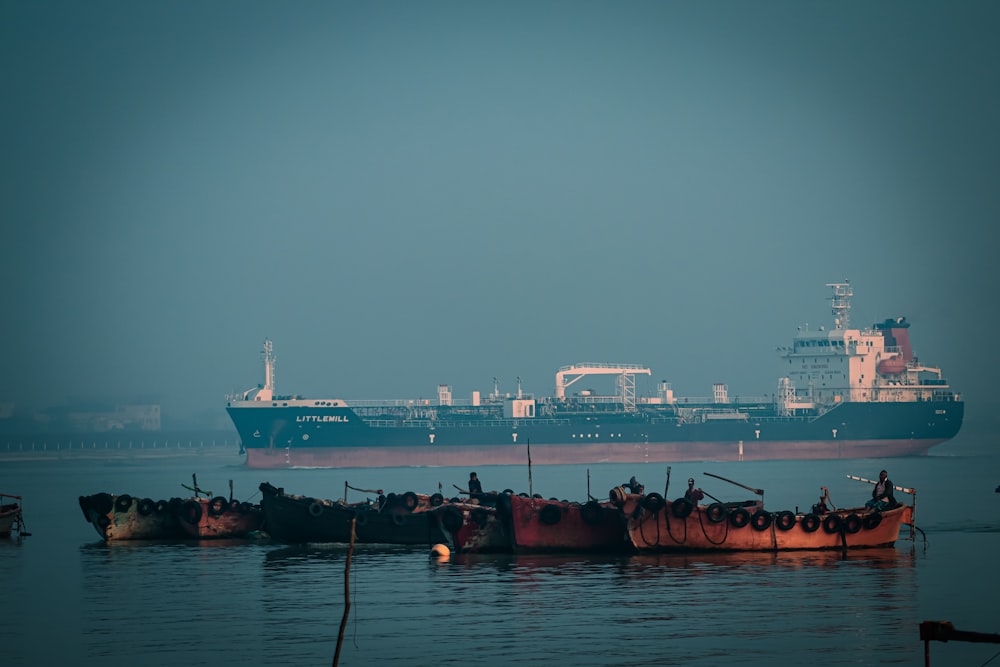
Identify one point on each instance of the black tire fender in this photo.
(590, 512)
(739, 517)
(681, 508)
(852, 524)
(832, 523)
(315, 508)
(451, 519)
(550, 514)
(398, 519)
(784, 520)
(761, 520)
(146, 506)
(218, 506)
(123, 502)
(810, 523)
(436, 500)
(653, 502)
(410, 501)
(716, 513)
(192, 511)
(871, 521)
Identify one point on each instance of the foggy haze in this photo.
(405, 194)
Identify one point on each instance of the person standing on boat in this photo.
(693, 495)
(882, 496)
(475, 486)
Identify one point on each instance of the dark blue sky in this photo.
(403, 194)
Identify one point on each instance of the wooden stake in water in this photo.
(531, 491)
(347, 594)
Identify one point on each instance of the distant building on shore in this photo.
(84, 418)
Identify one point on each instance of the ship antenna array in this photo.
(268, 355)
(841, 303)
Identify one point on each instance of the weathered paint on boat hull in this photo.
(296, 519)
(126, 518)
(473, 528)
(653, 524)
(552, 525)
(8, 515)
(208, 518)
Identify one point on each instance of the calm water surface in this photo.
(71, 599)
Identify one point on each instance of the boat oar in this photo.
(375, 491)
(759, 492)
(711, 496)
(875, 481)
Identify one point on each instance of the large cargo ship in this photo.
(846, 393)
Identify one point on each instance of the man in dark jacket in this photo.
(882, 496)
(693, 495)
(475, 486)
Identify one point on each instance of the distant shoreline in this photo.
(217, 454)
(119, 446)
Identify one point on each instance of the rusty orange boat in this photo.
(656, 524)
(536, 524)
(218, 517)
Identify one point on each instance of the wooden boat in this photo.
(535, 524)
(123, 517)
(216, 517)
(211, 518)
(398, 519)
(656, 524)
(11, 519)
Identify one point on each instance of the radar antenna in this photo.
(841, 303)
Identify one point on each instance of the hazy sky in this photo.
(402, 194)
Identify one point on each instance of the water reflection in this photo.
(880, 558)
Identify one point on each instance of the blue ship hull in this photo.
(276, 436)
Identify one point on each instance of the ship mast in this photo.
(841, 303)
(269, 363)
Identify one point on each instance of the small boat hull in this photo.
(126, 518)
(473, 528)
(8, 517)
(215, 518)
(298, 519)
(536, 524)
(655, 524)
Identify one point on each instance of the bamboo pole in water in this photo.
(531, 492)
(347, 594)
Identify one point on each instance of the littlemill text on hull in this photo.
(846, 393)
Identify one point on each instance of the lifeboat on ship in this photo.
(892, 366)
